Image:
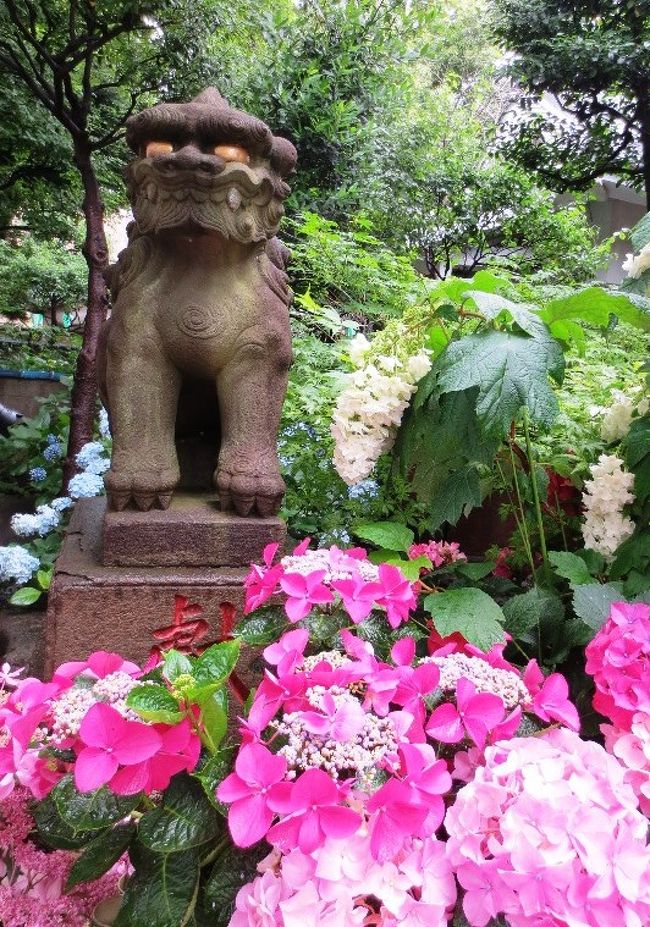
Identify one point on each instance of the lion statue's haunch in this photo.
(195, 355)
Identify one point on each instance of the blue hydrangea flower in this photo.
(91, 458)
(52, 451)
(38, 474)
(85, 485)
(104, 427)
(52, 439)
(17, 564)
(368, 488)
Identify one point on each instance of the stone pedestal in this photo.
(118, 574)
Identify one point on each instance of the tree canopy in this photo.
(593, 57)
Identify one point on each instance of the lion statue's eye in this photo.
(157, 148)
(233, 153)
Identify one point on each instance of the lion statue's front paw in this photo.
(150, 488)
(250, 493)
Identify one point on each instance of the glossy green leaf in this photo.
(185, 820)
(91, 810)
(163, 890)
(26, 596)
(469, 611)
(154, 703)
(263, 627)
(390, 535)
(102, 853)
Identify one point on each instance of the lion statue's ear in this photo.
(283, 156)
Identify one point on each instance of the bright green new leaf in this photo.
(214, 715)
(44, 579)
(26, 596)
(511, 372)
(176, 664)
(390, 535)
(595, 306)
(217, 663)
(471, 612)
(154, 703)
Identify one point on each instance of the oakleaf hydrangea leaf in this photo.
(511, 372)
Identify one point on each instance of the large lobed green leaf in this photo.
(511, 372)
(470, 611)
(595, 306)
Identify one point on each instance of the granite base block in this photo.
(94, 606)
(193, 531)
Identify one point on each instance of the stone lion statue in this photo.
(194, 359)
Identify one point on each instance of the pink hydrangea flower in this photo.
(618, 658)
(287, 653)
(473, 715)
(311, 812)
(248, 791)
(303, 592)
(548, 829)
(111, 741)
(396, 596)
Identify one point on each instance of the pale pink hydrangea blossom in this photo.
(547, 828)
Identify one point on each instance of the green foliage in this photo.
(263, 627)
(471, 612)
(185, 820)
(41, 276)
(390, 535)
(593, 58)
(100, 854)
(47, 348)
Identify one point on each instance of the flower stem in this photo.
(538, 507)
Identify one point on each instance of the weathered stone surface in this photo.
(93, 606)
(192, 532)
(197, 349)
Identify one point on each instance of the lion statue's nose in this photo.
(190, 158)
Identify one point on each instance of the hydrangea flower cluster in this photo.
(45, 519)
(341, 883)
(370, 408)
(32, 880)
(547, 832)
(329, 577)
(618, 418)
(53, 449)
(344, 767)
(636, 264)
(438, 552)
(17, 565)
(619, 660)
(83, 710)
(38, 474)
(610, 489)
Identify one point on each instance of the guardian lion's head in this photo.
(203, 167)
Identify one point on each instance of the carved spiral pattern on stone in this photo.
(198, 322)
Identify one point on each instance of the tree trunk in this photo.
(84, 391)
(644, 109)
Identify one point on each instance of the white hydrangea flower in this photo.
(370, 408)
(17, 564)
(618, 418)
(635, 265)
(605, 526)
(358, 348)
